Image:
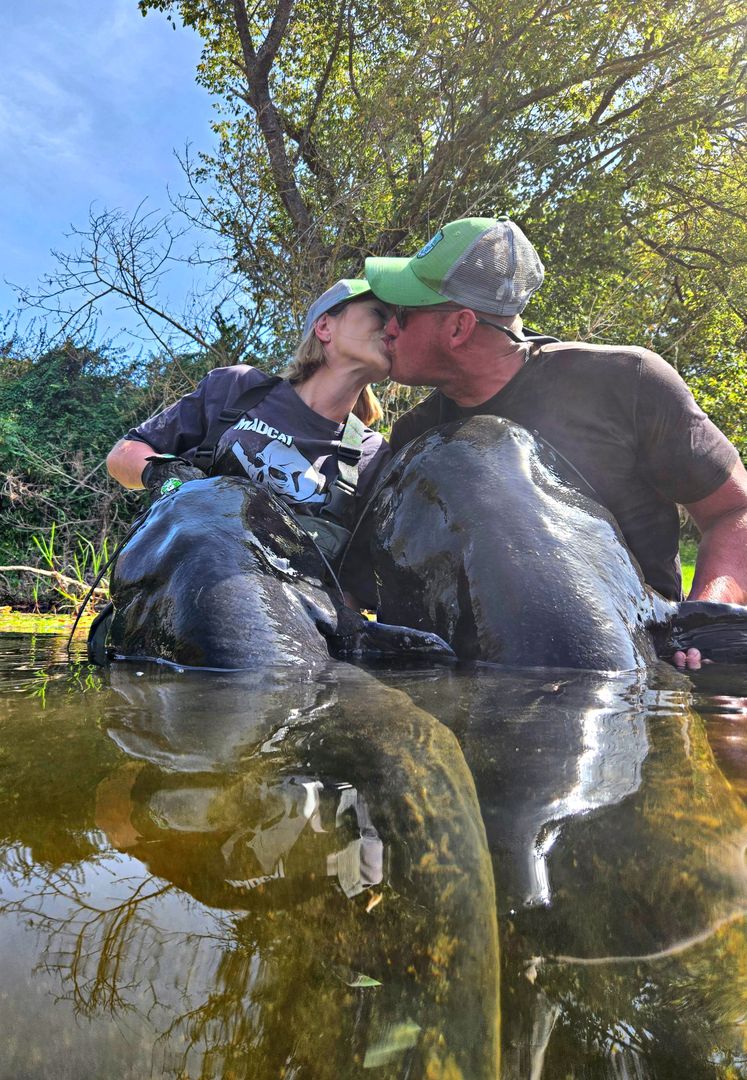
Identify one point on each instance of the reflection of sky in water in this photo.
(613, 749)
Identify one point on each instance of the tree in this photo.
(347, 127)
(613, 131)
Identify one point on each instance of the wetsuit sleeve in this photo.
(683, 454)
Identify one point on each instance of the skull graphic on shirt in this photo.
(285, 471)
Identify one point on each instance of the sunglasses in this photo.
(402, 313)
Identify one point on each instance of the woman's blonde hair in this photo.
(309, 357)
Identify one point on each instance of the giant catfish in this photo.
(482, 535)
(219, 575)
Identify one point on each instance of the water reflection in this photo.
(544, 748)
(316, 900)
(618, 848)
(217, 752)
(721, 698)
(208, 876)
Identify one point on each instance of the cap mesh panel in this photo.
(498, 272)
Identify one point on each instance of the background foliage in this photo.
(61, 409)
(613, 131)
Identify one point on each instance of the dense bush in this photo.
(60, 413)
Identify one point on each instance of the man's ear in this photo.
(322, 328)
(462, 327)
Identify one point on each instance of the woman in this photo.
(305, 436)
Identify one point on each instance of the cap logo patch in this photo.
(431, 244)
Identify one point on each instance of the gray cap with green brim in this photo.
(484, 263)
(342, 290)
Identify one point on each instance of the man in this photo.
(621, 415)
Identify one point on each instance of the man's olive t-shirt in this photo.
(626, 420)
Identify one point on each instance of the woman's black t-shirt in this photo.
(279, 442)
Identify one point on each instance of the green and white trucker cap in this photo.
(484, 263)
(342, 290)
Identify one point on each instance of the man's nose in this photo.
(391, 330)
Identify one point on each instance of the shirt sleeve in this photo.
(179, 428)
(685, 456)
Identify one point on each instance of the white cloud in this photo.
(88, 89)
(41, 125)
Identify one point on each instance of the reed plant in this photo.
(69, 577)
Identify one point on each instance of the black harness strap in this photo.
(342, 490)
(330, 526)
(340, 505)
(204, 455)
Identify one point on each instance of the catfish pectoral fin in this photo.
(718, 631)
(379, 640)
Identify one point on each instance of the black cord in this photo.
(139, 520)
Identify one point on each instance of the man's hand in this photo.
(164, 473)
(721, 569)
(689, 661)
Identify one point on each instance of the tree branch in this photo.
(63, 579)
(258, 66)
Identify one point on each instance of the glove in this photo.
(165, 473)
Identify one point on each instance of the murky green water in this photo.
(390, 874)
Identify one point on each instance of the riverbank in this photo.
(29, 622)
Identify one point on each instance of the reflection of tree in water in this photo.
(99, 952)
(234, 999)
(248, 973)
(219, 974)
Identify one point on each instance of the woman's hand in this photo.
(164, 473)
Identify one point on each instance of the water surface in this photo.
(395, 874)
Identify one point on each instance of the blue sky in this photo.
(94, 99)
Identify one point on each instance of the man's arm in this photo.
(127, 460)
(721, 570)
